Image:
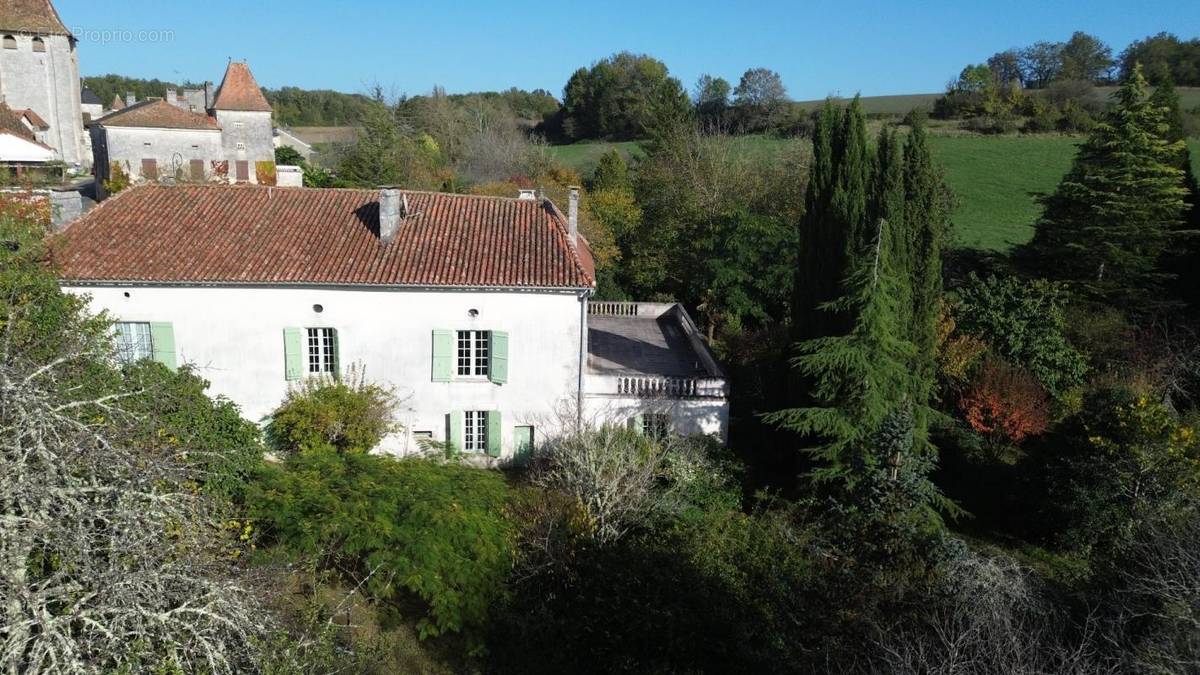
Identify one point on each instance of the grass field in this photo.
(996, 179)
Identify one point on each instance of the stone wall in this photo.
(47, 82)
(172, 149)
(248, 137)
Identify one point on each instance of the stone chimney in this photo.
(130, 99)
(391, 211)
(573, 214)
(208, 95)
(172, 97)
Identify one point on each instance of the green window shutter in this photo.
(493, 434)
(522, 444)
(162, 341)
(443, 355)
(293, 362)
(337, 355)
(454, 433)
(498, 351)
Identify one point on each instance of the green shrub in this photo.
(171, 409)
(1023, 322)
(1122, 459)
(724, 593)
(413, 530)
(345, 415)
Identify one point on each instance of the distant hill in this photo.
(1189, 99)
(884, 105)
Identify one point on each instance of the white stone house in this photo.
(474, 309)
(39, 71)
(154, 139)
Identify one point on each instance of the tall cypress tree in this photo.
(834, 222)
(1114, 215)
(926, 217)
(887, 204)
(816, 274)
(858, 379)
(848, 207)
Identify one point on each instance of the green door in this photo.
(522, 444)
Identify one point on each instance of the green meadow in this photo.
(996, 180)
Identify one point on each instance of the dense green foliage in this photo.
(404, 529)
(621, 97)
(1024, 321)
(173, 408)
(108, 87)
(1118, 461)
(1165, 58)
(296, 107)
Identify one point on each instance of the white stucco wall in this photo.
(234, 337)
(47, 82)
(695, 416)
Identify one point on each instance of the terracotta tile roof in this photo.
(158, 114)
(30, 16)
(10, 121)
(198, 234)
(239, 91)
(35, 120)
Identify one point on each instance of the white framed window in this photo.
(656, 425)
(475, 431)
(322, 350)
(237, 125)
(473, 353)
(241, 146)
(133, 341)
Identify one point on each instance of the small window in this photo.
(322, 350)
(237, 125)
(473, 357)
(10, 42)
(39, 45)
(656, 425)
(241, 146)
(475, 431)
(150, 169)
(146, 144)
(134, 342)
(423, 439)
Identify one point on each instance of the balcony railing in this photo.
(652, 386)
(643, 310)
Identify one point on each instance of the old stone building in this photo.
(39, 71)
(228, 140)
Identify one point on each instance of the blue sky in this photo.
(870, 46)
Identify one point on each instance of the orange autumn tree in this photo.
(1005, 403)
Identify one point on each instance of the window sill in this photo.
(477, 379)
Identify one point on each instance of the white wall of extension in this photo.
(234, 336)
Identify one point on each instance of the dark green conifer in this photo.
(1120, 208)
